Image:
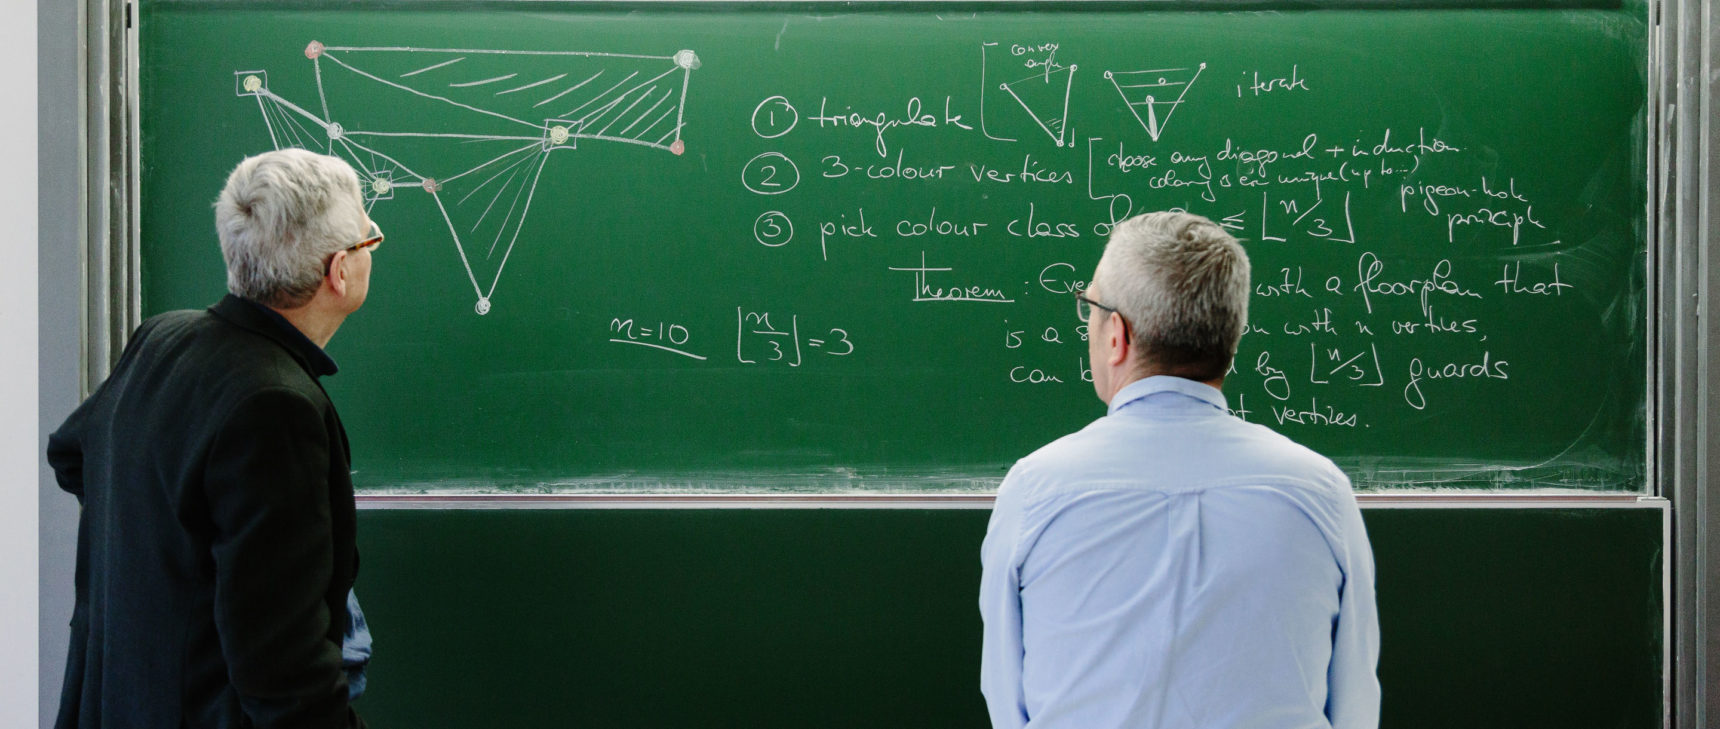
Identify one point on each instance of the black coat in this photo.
(215, 549)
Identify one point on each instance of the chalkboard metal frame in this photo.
(864, 5)
(1620, 500)
(1684, 459)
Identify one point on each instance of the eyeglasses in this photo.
(1084, 309)
(372, 242)
(1084, 306)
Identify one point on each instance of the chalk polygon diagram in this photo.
(1152, 90)
(474, 128)
(1045, 96)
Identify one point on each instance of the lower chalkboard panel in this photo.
(867, 618)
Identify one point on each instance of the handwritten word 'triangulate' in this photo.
(881, 122)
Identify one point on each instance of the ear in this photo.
(1116, 334)
(336, 278)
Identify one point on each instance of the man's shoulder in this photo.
(1119, 453)
(1069, 449)
(1280, 451)
(171, 322)
(1061, 461)
(220, 358)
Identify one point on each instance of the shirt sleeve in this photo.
(1000, 608)
(267, 484)
(1354, 701)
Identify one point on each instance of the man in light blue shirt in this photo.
(1170, 565)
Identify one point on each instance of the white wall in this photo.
(18, 409)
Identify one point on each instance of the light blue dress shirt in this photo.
(1172, 566)
(355, 649)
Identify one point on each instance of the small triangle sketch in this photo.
(1143, 89)
(481, 168)
(1047, 90)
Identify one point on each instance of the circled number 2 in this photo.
(770, 173)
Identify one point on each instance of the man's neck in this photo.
(316, 324)
(1216, 384)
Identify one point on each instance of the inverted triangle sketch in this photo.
(1151, 90)
(1045, 97)
(498, 116)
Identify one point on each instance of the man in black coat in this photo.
(216, 545)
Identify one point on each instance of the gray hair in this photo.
(1181, 282)
(280, 216)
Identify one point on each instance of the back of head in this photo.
(281, 215)
(1181, 282)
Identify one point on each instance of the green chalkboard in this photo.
(1522, 618)
(754, 247)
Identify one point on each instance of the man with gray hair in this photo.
(1171, 565)
(216, 546)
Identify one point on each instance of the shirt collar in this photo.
(1141, 388)
(269, 323)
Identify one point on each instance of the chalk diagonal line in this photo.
(476, 289)
(598, 97)
(481, 83)
(432, 68)
(530, 85)
(646, 113)
(569, 89)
